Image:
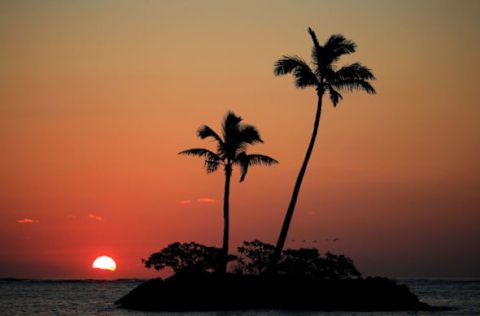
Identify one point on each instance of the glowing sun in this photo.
(105, 263)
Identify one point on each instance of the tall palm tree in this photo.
(325, 76)
(231, 150)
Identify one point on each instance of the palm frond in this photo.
(212, 160)
(304, 77)
(262, 160)
(205, 131)
(249, 134)
(354, 84)
(230, 125)
(231, 120)
(211, 165)
(201, 152)
(242, 160)
(335, 96)
(286, 65)
(317, 49)
(230, 129)
(314, 37)
(336, 46)
(354, 71)
(246, 161)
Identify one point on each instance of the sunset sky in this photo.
(98, 97)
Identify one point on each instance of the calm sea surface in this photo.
(86, 297)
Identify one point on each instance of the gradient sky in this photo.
(97, 97)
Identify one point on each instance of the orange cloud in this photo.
(28, 221)
(96, 217)
(199, 200)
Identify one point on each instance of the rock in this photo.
(200, 291)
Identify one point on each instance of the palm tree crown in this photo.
(231, 148)
(325, 75)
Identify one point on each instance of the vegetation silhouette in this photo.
(231, 151)
(253, 257)
(324, 77)
(183, 256)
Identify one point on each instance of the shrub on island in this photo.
(252, 259)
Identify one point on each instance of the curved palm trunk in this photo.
(291, 207)
(226, 219)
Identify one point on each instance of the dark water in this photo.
(87, 297)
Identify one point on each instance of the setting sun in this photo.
(104, 263)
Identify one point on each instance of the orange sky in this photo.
(97, 97)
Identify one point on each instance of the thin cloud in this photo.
(206, 200)
(28, 221)
(199, 200)
(96, 217)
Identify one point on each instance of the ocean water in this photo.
(90, 297)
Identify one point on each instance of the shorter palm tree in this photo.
(231, 150)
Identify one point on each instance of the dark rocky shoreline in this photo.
(201, 291)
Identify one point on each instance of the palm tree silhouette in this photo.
(324, 77)
(231, 150)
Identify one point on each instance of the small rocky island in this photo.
(305, 281)
(201, 291)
